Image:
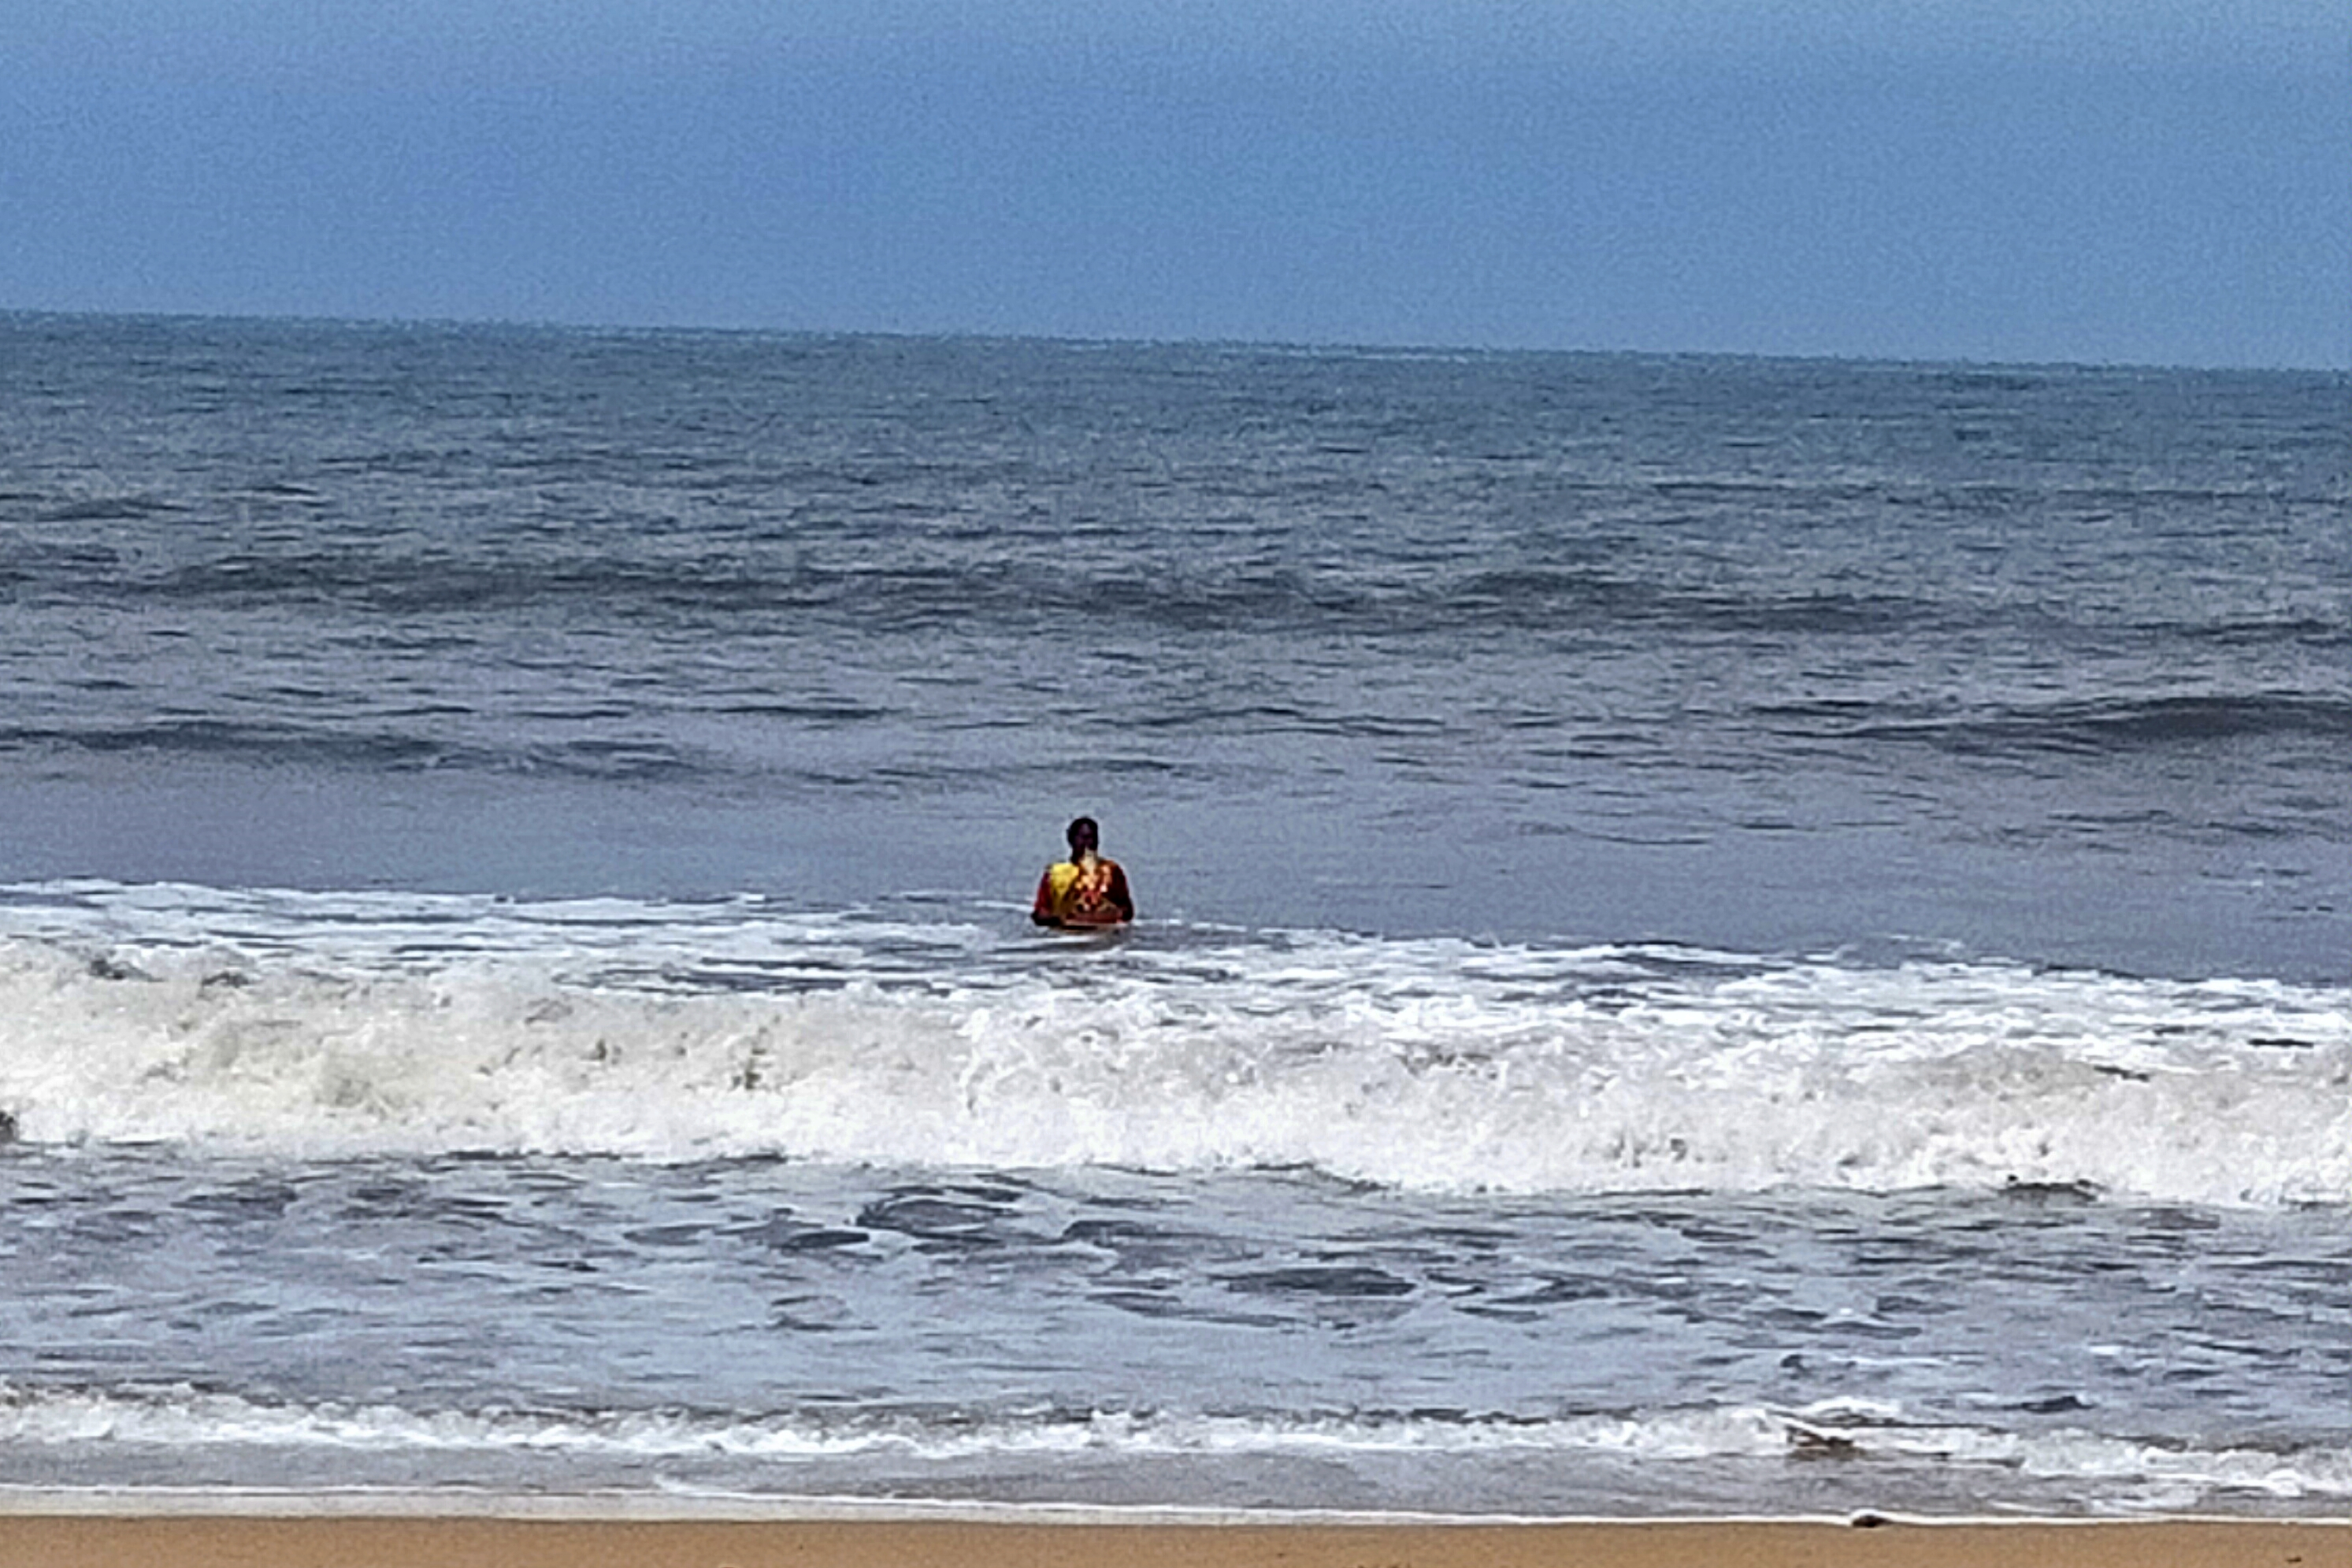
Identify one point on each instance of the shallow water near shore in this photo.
(1269, 1340)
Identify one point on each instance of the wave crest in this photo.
(709, 1032)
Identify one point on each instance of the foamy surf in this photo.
(685, 1452)
(312, 1026)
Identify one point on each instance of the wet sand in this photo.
(222, 1539)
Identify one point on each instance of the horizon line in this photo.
(1302, 345)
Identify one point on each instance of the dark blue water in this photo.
(2050, 663)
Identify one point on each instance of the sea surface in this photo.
(1718, 935)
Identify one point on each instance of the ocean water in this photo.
(1718, 935)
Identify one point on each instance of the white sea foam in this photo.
(187, 1421)
(317, 1025)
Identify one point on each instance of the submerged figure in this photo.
(1086, 890)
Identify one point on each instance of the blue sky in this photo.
(2136, 180)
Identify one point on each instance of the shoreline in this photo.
(647, 1506)
(594, 1507)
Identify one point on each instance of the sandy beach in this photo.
(92, 1539)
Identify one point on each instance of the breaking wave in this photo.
(321, 1026)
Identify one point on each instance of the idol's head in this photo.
(1084, 836)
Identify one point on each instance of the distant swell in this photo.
(1012, 591)
(290, 745)
(2084, 728)
(837, 568)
